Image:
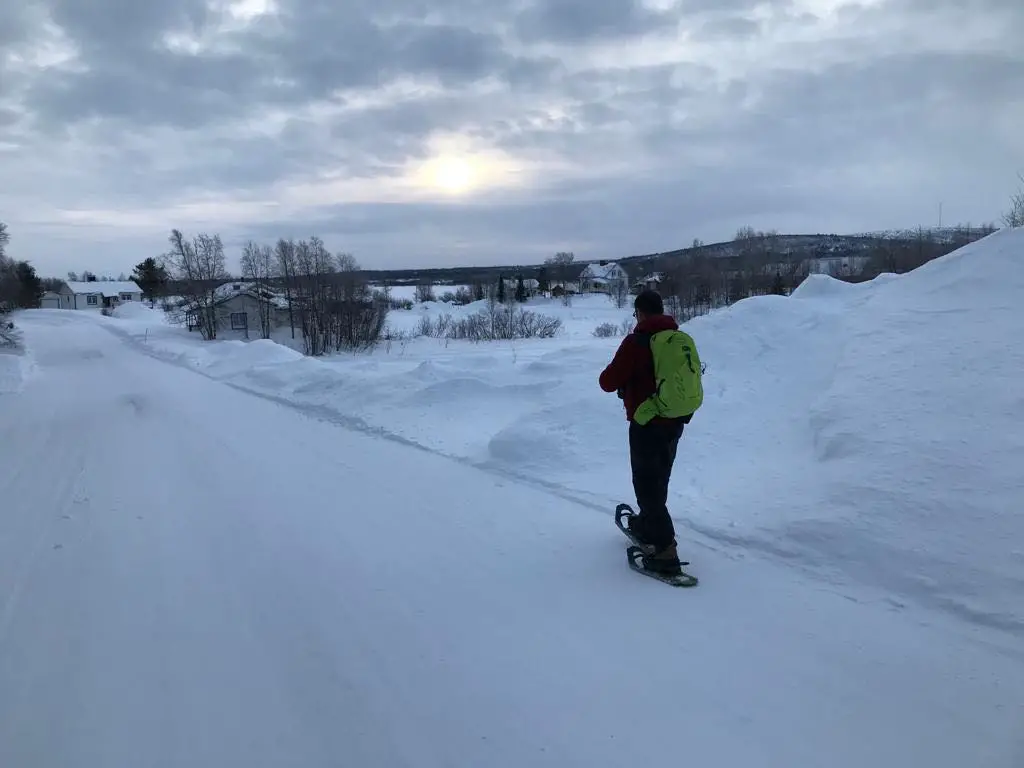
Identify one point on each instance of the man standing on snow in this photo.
(657, 408)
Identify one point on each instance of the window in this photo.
(126, 297)
(92, 300)
(239, 321)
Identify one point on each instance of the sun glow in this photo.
(454, 175)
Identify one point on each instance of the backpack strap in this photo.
(643, 338)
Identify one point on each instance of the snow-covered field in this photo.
(193, 576)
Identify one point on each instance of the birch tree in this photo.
(258, 267)
(199, 266)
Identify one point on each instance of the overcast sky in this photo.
(443, 132)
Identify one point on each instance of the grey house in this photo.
(238, 308)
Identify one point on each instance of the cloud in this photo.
(606, 127)
(576, 21)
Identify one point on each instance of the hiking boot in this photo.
(635, 524)
(665, 561)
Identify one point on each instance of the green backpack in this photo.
(677, 371)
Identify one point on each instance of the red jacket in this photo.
(631, 371)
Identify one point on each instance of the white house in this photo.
(602, 277)
(98, 294)
(652, 282)
(51, 300)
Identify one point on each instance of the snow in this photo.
(109, 288)
(406, 292)
(17, 366)
(235, 569)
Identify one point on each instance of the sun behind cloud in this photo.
(452, 174)
(456, 167)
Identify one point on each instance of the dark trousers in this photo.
(652, 451)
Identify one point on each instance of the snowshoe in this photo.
(625, 520)
(642, 555)
(646, 564)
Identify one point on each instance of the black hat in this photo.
(649, 302)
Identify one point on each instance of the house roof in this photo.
(228, 291)
(653, 277)
(109, 288)
(609, 271)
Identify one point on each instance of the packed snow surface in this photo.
(192, 574)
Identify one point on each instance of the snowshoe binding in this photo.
(626, 521)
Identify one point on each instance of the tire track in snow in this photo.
(39, 449)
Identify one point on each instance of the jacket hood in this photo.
(657, 323)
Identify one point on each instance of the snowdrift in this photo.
(16, 364)
(872, 432)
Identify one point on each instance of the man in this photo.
(653, 442)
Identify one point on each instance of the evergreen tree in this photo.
(520, 290)
(151, 278)
(30, 287)
(543, 285)
(501, 289)
(778, 286)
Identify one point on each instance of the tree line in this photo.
(697, 283)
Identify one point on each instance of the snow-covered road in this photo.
(194, 577)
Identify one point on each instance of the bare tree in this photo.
(1014, 217)
(199, 266)
(618, 290)
(424, 292)
(258, 267)
(284, 255)
(315, 265)
(560, 267)
(335, 306)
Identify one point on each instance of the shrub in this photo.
(8, 334)
(495, 324)
(608, 330)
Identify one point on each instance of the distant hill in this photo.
(792, 247)
(894, 251)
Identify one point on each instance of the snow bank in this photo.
(919, 437)
(139, 313)
(17, 366)
(819, 286)
(14, 371)
(872, 431)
